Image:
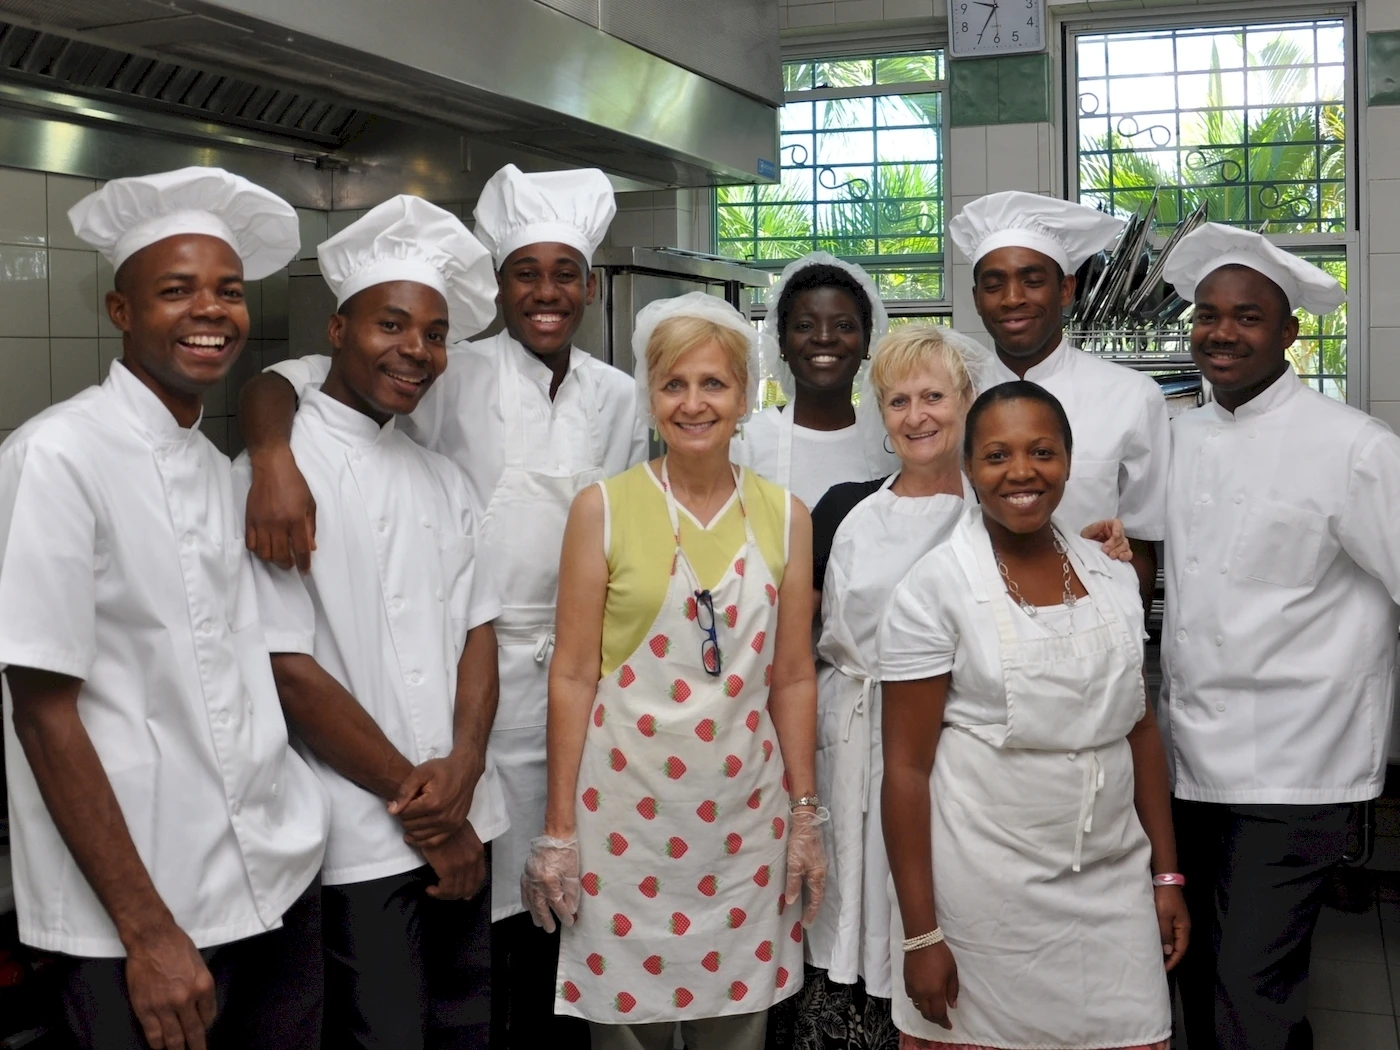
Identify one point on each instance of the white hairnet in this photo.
(692, 304)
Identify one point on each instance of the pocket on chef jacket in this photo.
(455, 557)
(1095, 487)
(1280, 544)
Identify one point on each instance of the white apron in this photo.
(877, 460)
(682, 819)
(874, 548)
(1042, 876)
(523, 533)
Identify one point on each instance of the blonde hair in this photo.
(909, 350)
(676, 336)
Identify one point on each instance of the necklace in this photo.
(1030, 610)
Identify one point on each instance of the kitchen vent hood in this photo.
(510, 74)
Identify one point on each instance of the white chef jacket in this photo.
(460, 415)
(122, 563)
(1121, 442)
(1283, 569)
(819, 458)
(393, 590)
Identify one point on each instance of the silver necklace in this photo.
(1062, 550)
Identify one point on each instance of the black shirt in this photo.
(827, 516)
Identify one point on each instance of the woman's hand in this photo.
(549, 884)
(1110, 534)
(1173, 922)
(931, 981)
(806, 861)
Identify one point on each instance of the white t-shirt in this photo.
(820, 458)
(122, 563)
(393, 590)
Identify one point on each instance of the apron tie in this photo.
(544, 648)
(1093, 783)
(862, 708)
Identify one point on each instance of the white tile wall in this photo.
(55, 336)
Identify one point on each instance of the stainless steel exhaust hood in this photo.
(508, 75)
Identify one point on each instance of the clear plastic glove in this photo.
(1110, 534)
(549, 885)
(806, 860)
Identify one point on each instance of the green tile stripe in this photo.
(1010, 90)
(1383, 68)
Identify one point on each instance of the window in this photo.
(1251, 120)
(861, 175)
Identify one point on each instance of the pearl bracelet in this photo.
(924, 940)
(1169, 878)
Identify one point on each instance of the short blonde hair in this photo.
(676, 336)
(911, 349)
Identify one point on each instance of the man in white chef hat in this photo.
(1283, 572)
(166, 837)
(531, 420)
(383, 653)
(1025, 250)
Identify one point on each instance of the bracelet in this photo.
(924, 940)
(1169, 878)
(805, 800)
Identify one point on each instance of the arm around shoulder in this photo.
(280, 519)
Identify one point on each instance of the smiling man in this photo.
(1025, 250)
(531, 420)
(1283, 570)
(384, 653)
(166, 838)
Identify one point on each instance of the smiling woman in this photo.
(682, 686)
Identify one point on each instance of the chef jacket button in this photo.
(1219, 639)
(414, 678)
(1191, 565)
(1181, 636)
(223, 718)
(438, 594)
(1239, 497)
(189, 539)
(235, 808)
(396, 605)
(1224, 569)
(432, 752)
(1205, 498)
(383, 526)
(1220, 708)
(1253, 434)
(1214, 431)
(427, 524)
(206, 628)
(274, 789)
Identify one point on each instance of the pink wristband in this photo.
(1170, 878)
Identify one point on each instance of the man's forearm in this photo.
(266, 409)
(337, 729)
(478, 693)
(80, 800)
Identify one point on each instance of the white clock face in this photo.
(996, 27)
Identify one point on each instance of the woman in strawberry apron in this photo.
(681, 828)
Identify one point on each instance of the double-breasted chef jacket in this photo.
(394, 588)
(1121, 439)
(1283, 570)
(122, 563)
(525, 456)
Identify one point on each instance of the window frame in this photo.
(1351, 240)
(872, 50)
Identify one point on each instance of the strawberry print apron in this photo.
(682, 815)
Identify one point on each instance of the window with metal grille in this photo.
(1254, 120)
(861, 175)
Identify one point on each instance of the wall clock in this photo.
(979, 28)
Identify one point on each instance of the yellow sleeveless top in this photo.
(638, 541)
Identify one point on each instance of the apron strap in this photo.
(1093, 783)
(785, 425)
(861, 708)
(513, 413)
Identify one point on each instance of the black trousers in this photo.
(405, 971)
(268, 990)
(524, 965)
(1254, 882)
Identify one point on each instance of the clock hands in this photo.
(991, 14)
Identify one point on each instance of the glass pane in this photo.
(797, 75)
(909, 69)
(838, 113)
(909, 111)
(797, 116)
(856, 72)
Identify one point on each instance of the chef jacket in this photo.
(122, 563)
(1283, 569)
(1121, 442)
(393, 590)
(460, 416)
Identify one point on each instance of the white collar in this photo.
(147, 412)
(1275, 395)
(347, 425)
(531, 365)
(973, 547)
(1060, 358)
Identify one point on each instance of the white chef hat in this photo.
(1067, 232)
(408, 239)
(517, 208)
(129, 214)
(692, 304)
(1211, 246)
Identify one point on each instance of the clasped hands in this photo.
(432, 805)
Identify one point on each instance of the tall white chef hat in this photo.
(568, 207)
(692, 304)
(1067, 232)
(408, 239)
(129, 214)
(1211, 246)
